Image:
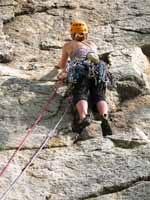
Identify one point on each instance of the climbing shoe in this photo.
(106, 129)
(79, 126)
(85, 122)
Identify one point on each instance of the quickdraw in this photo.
(78, 69)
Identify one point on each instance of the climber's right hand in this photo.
(62, 76)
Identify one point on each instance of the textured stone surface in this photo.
(141, 190)
(93, 168)
(32, 33)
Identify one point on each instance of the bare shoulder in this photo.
(66, 45)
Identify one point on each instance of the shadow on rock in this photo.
(4, 134)
(21, 104)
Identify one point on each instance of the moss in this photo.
(1, 147)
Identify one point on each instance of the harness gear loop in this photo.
(84, 68)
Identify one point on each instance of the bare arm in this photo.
(64, 58)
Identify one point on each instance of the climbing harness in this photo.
(85, 63)
(76, 71)
(84, 68)
(44, 110)
(48, 137)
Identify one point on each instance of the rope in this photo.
(44, 110)
(49, 136)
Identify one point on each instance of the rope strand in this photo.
(44, 110)
(49, 136)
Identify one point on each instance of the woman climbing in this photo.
(87, 75)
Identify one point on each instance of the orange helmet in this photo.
(79, 26)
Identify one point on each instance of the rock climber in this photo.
(83, 72)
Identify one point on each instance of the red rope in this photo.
(34, 156)
(44, 110)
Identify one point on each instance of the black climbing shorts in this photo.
(87, 89)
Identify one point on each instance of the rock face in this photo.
(32, 33)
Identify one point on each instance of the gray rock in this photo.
(80, 172)
(32, 33)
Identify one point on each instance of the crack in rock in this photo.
(8, 5)
(46, 47)
(129, 144)
(143, 32)
(4, 149)
(116, 188)
(86, 7)
(32, 10)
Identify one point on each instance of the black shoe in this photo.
(85, 122)
(79, 126)
(106, 129)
